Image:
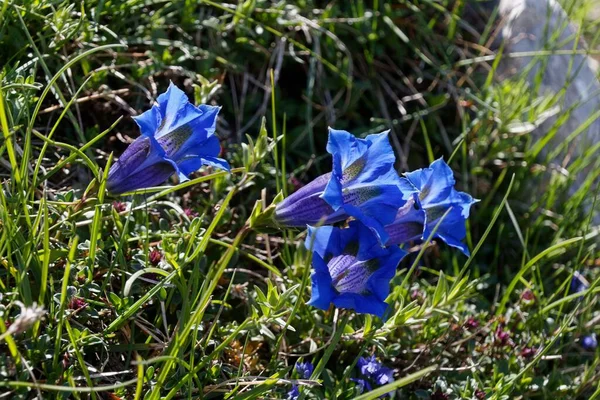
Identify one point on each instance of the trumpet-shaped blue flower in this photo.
(435, 196)
(351, 269)
(363, 184)
(176, 137)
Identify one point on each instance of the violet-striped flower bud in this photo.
(351, 269)
(363, 184)
(435, 196)
(176, 138)
(305, 369)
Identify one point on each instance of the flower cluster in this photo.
(372, 373)
(353, 266)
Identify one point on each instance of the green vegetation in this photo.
(176, 294)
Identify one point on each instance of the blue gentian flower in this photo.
(176, 138)
(362, 384)
(589, 342)
(363, 184)
(435, 195)
(294, 393)
(352, 270)
(304, 369)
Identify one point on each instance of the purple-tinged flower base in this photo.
(307, 207)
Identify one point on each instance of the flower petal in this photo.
(176, 110)
(322, 290)
(149, 121)
(324, 240)
(434, 183)
(364, 304)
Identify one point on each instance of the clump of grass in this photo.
(170, 294)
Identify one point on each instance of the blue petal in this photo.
(204, 154)
(328, 241)
(323, 240)
(201, 141)
(347, 150)
(149, 121)
(379, 160)
(434, 183)
(451, 230)
(364, 304)
(176, 110)
(379, 283)
(369, 246)
(346, 147)
(322, 289)
(408, 225)
(375, 206)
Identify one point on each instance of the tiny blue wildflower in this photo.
(351, 269)
(435, 196)
(176, 138)
(384, 376)
(294, 393)
(304, 369)
(578, 283)
(363, 184)
(362, 384)
(589, 342)
(368, 366)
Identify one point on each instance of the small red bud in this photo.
(154, 257)
(119, 207)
